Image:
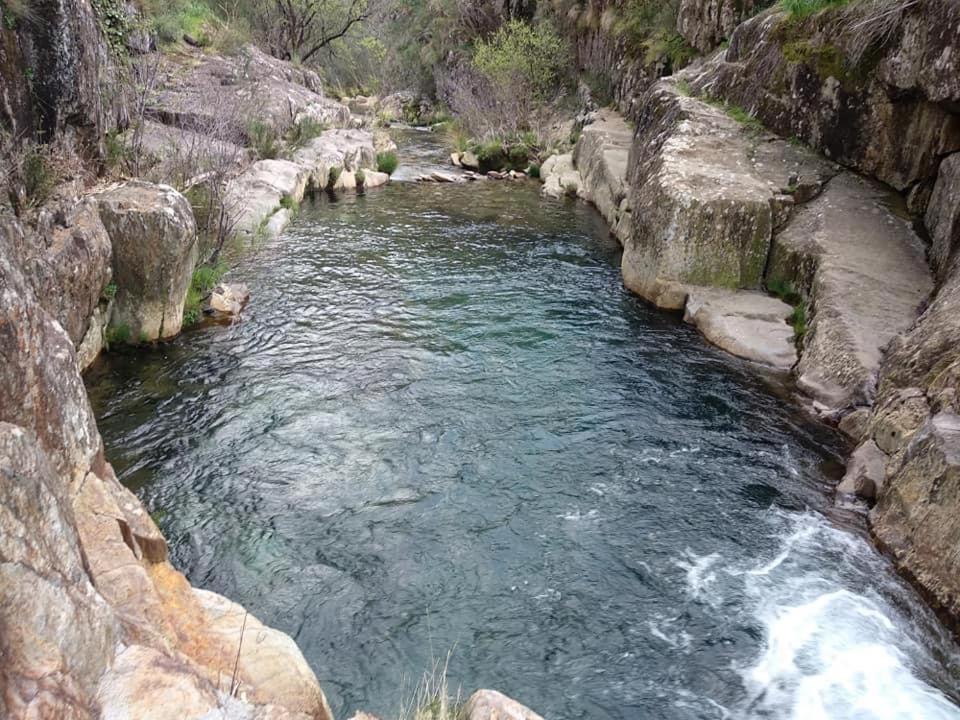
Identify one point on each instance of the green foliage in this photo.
(804, 8)
(785, 291)
(387, 162)
(738, 113)
(204, 279)
(262, 137)
(361, 176)
(117, 151)
(118, 334)
(520, 55)
(533, 171)
(110, 291)
(112, 16)
(333, 175)
(683, 87)
(288, 202)
(39, 175)
(171, 20)
(798, 319)
(305, 131)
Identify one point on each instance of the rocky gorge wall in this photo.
(850, 212)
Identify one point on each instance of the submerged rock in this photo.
(153, 234)
(228, 299)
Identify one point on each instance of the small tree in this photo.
(299, 29)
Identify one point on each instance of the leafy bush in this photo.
(534, 171)
(333, 175)
(262, 137)
(171, 21)
(39, 175)
(287, 202)
(387, 162)
(525, 58)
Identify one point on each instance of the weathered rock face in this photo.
(62, 45)
(864, 271)
(943, 216)
(65, 259)
(706, 197)
(600, 156)
(706, 23)
(915, 517)
(254, 197)
(888, 113)
(218, 95)
(96, 623)
(750, 325)
(154, 242)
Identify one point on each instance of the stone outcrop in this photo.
(493, 705)
(864, 271)
(706, 197)
(96, 622)
(706, 23)
(560, 176)
(875, 91)
(328, 162)
(600, 157)
(750, 325)
(219, 95)
(154, 240)
(60, 95)
(943, 216)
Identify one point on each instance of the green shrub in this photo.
(785, 291)
(534, 171)
(305, 131)
(262, 137)
(172, 20)
(333, 175)
(288, 202)
(524, 58)
(798, 319)
(387, 162)
(110, 291)
(361, 176)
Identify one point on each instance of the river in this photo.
(444, 426)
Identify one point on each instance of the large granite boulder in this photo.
(493, 705)
(601, 156)
(706, 195)
(154, 241)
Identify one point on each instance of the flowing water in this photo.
(443, 425)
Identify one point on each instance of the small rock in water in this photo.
(455, 159)
(492, 705)
(228, 299)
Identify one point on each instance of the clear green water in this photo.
(443, 424)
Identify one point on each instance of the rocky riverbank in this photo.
(788, 251)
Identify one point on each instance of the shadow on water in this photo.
(444, 423)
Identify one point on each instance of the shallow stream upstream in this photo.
(444, 425)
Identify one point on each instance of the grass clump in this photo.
(361, 176)
(799, 9)
(174, 21)
(288, 202)
(333, 175)
(262, 137)
(432, 699)
(110, 291)
(39, 175)
(204, 279)
(387, 162)
(534, 171)
(305, 131)
(785, 291)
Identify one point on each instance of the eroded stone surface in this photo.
(943, 216)
(706, 196)
(864, 270)
(750, 325)
(600, 156)
(493, 705)
(154, 241)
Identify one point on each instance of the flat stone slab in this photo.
(747, 324)
(866, 272)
